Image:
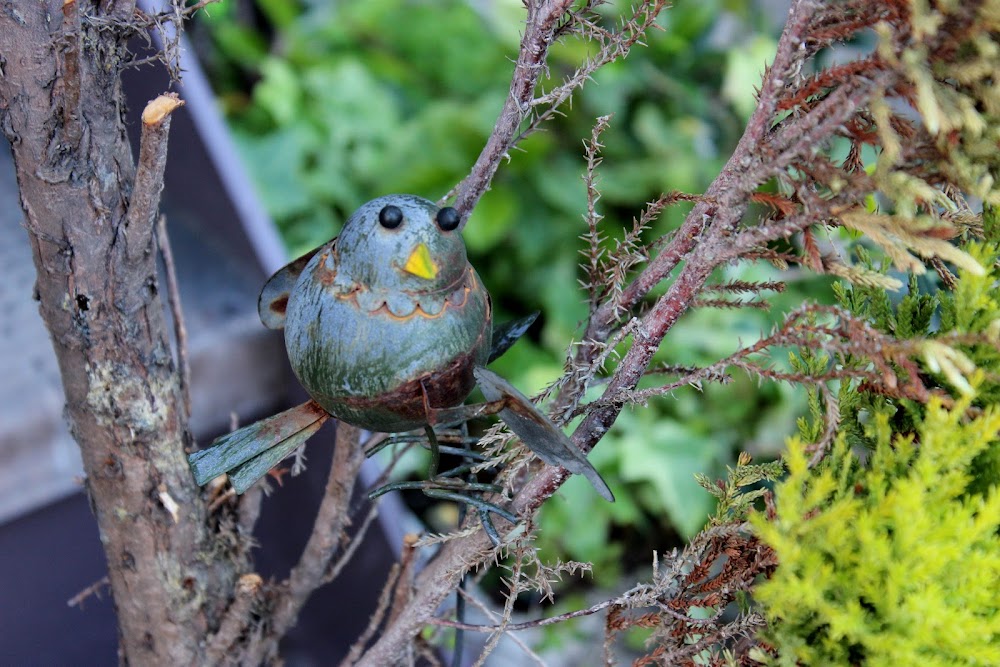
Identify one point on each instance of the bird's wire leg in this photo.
(445, 485)
(437, 485)
(456, 656)
(444, 434)
(457, 471)
(421, 439)
(381, 442)
(491, 530)
(432, 469)
(440, 486)
(460, 416)
(452, 417)
(478, 503)
(458, 451)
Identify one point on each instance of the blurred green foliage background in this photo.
(334, 103)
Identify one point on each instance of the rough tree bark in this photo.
(91, 220)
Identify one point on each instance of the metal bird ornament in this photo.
(388, 327)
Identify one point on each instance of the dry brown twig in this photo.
(701, 585)
(176, 313)
(332, 520)
(93, 589)
(547, 20)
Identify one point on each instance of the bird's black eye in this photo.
(390, 217)
(448, 218)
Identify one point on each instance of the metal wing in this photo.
(506, 334)
(536, 430)
(273, 301)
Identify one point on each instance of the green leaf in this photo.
(744, 71)
(490, 222)
(278, 161)
(666, 456)
(281, 13)
(279, 91)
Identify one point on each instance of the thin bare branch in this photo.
(526, 625)
(611, 46)
(539, 33)
(492, 615)
(93, 589)
(332, 520)
(176, 313)
(513, 583)
(352, 548)
(376, 618)
(236, 619)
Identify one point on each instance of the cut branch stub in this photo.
(158, 110)
(144, 203)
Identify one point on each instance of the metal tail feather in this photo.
(508, 333)
(537, 432)
(249, 452)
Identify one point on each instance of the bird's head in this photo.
(402, 242)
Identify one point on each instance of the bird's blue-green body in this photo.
(378, 346)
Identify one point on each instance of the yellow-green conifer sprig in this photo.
(889, 563)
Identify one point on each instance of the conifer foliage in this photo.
(894, 561)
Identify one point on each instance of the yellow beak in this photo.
(420, 264)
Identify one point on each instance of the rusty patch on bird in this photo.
(445, 388)
(323, 273)
(279, 305)
(408, 402)
(523, 410)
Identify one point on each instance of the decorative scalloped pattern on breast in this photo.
(404, 305)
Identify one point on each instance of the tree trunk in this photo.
(62, 108)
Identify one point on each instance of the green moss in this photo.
(889, 563)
